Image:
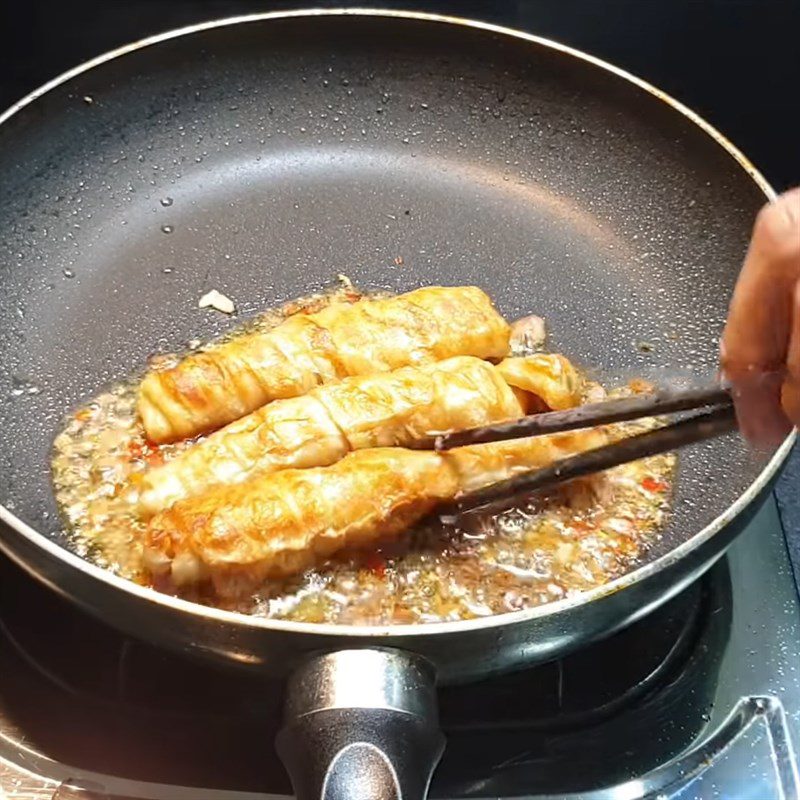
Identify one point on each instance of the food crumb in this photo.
(344, 280)
(641, 386)
(218, 301)
(398, 261)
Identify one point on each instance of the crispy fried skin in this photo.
(546, 375)
(397, 408)
(280, 524)
(274, 525)
(209, 389)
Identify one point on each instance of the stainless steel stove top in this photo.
(699, 700)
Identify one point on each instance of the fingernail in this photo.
(790, 203)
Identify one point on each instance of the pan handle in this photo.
(361, 725)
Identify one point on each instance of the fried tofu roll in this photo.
(387, 409)
(236, 537)
(209, 389)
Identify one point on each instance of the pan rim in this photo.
(378, 633)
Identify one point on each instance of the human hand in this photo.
(760, 348)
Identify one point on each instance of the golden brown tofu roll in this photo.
(398, 408)
(484, 464)
(280, 524)
(209, 389)
(548, 376)
(237, 537)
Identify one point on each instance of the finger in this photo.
(761, 417)
(755, 343)
(757, 333)
(790, 395)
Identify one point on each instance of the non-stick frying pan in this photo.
(297, 146)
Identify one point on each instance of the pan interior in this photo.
(264, 158)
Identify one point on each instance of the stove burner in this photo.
(609, 712)
(586, 687)
(143, 710)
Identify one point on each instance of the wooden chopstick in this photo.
(500, 496)
(650, 405)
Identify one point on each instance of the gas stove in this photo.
(701, 699)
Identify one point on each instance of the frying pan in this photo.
(263, 155)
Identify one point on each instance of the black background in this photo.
(736, 62)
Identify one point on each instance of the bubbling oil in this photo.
(545, 549)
